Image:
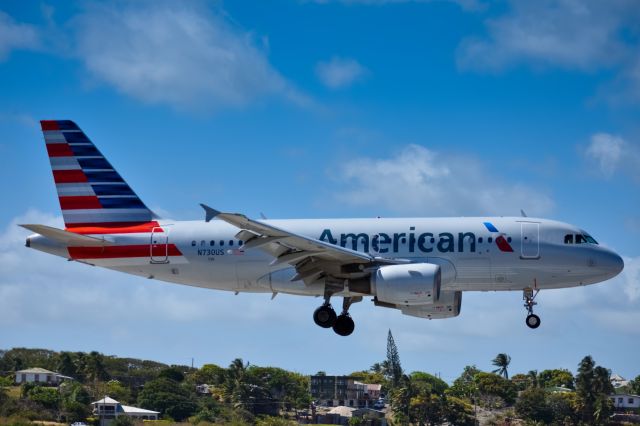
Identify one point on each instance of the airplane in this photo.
(419, 266)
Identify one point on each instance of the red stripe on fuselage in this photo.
(69, 176)
(114, 227)
(80, 202)
(117, 252)
(49, 125)
(59, 150)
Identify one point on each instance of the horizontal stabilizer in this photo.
(69, 239)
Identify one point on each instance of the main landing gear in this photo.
(325, 316)
(532, 320)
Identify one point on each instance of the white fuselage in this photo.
(531, 253)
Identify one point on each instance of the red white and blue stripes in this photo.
(91, 192)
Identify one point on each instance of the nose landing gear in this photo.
(532, 320)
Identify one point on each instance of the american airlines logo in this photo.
(426, 242)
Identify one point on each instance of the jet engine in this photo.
(446, 307)
(407, 285)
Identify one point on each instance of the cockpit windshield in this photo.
(579, 239)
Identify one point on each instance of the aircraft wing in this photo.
(311, 257)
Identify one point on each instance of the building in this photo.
(618, 381)
(625, 401)
(333, 391)
(40, 375)
(108, 409)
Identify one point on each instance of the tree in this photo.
(491, 386)
(464, 386)
(556, 378)
(94, 367)
(168, 397)
(635, 385)
(522, 381)
(458, 412)
(593, 387)
(502, 361)
(532, 405)
(173, 373)
(393, 361)
(66, 365)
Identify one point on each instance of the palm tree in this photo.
(533, 376)
(502, 362)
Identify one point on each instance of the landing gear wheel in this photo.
(344, 325)
(325, 316)
(533, 321)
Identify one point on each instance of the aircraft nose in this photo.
(610, 263)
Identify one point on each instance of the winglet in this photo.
(523, 213)
(209, 212)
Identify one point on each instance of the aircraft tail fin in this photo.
(92, 193)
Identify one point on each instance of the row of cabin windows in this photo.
(212, 243)
(579, 239)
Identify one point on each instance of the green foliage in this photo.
(491, 386)
(118, 391)
(635, 385)
(556, 378)
(522, 381)
(275, 421)
(210, 374)
(45, 396)
(168, 397)
(459, 412)
(428, 383)
(173, 373)
(593, 387)
(464, 386)
(532, 405)
(122, 421)
(502, 361)
(393, 367)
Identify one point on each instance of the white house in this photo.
(618, 381)
(40, 375)
(108, 409)
(625, 401)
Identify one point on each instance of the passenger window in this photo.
(221, 243)
(230, 242)
(489, 239)
(212, 243)
(480, 240)
(568, 239)
(508, 239)
(193, 243)
(203, 243)
(240, 242)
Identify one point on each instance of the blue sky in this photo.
(326, 108)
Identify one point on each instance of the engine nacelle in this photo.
(446, 307)
(407, 285)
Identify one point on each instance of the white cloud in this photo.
(339, 73)
(464, 4)
(612, 154)
(423, 182)
(568, 33)
(578, 35)
(631, 277)
(15, 35)
(176, 53)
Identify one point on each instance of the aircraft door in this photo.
(159, 245)
(530, 240)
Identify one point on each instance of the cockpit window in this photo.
(590, 239)
(579, 239)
